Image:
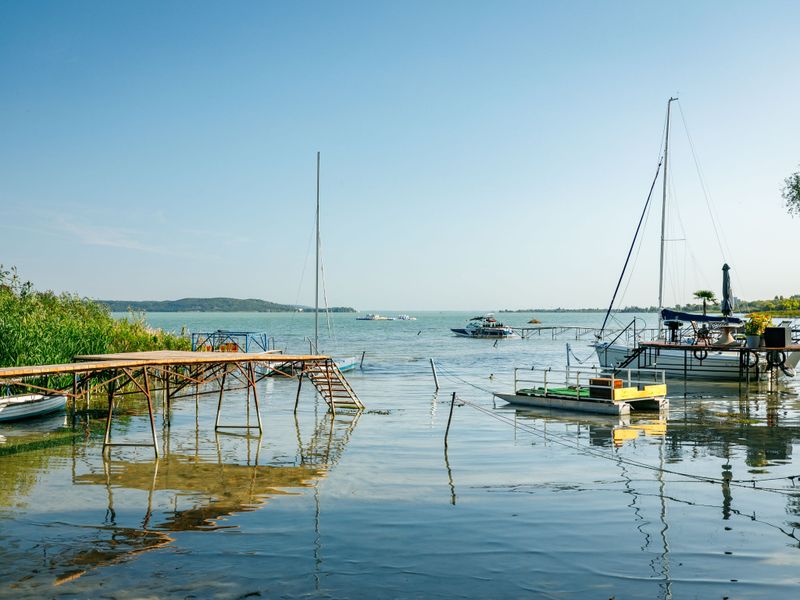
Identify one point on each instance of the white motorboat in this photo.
(374, 317)
(406, 318)
(25, 406)
(484, 327)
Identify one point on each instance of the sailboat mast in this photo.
(316, 272)
(663, 219)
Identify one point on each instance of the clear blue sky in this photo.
(474, 155)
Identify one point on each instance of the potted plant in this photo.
(754, 328)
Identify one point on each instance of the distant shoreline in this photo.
(201, 305)
(634, 309)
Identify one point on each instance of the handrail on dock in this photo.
(580, 332)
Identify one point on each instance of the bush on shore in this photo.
(39, 328)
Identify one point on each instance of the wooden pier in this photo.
(578, 333)
(170, 372)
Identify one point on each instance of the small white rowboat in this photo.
(25, 406)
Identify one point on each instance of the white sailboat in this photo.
(706, 364)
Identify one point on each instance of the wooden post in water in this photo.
(450, 418)
(361, 365)
(435, 378)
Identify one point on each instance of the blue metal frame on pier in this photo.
(232, 341)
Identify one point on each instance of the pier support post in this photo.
(74, 397)
(149, 395)
(252, 378)
(299, 385)
(167, 393)
(219, 403)
(107, 437)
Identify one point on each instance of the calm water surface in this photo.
(524, 503)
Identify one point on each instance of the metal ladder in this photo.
(332, 386)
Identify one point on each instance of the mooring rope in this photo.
(575, 356)
(742, 483)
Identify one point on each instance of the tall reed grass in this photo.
(39, 328)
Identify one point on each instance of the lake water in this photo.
(524, 503)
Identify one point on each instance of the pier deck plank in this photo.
(127, 360)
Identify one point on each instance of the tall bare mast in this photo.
(316, 272)
(663, 219)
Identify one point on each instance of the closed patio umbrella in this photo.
(727, 296)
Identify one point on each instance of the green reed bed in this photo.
(38, 328)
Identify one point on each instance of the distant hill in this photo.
(211, 305)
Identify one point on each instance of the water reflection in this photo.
(183, 493)
(602, 430)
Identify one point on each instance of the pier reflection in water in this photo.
(177, 493)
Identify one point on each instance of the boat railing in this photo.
(622, 331)
(548, 379)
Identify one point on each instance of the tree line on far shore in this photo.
(778, 306)
(212, 305)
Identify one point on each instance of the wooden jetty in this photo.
(170, 372)
(578, 332)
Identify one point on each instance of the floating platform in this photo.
(590, 390)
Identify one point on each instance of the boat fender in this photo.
(700, 355)
(749, 359)
(776, 358)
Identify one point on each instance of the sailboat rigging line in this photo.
(554, 437)
(706, 195)
(327, 308)
(630, 250)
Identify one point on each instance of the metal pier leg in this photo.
(221, 389)
(149, 395)
(247, 399)
(297, 397)
(107, 438)
(168, 414)
(74, 397)
(251, 375)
